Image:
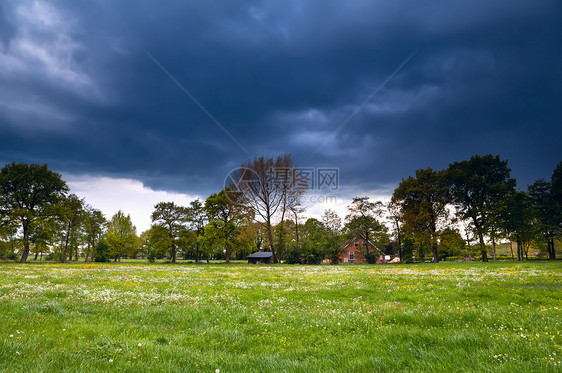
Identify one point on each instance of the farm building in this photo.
(260, 257)
(352, 251)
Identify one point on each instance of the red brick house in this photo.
(352, 251)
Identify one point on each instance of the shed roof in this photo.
(259, 255)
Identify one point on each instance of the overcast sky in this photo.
(94, 89)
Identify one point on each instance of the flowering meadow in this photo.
(262, 318)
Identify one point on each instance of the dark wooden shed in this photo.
(260, 257)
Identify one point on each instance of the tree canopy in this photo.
(28, 195)
(478, 188)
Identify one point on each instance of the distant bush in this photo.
(57, 257)
(11, 256)
(151, 256)
(102, 251)
(292, 256)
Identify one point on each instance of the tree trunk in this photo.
(270, 236)
(173, 253)
(88, 248)
(25, 252)
(281, 227)
(66, 246)
(227, 254)
(483, 250)
(494, 247)
(468, 245)
(297, 229)
(519, 251)
(511, 246)
(434, 248)
(36, 255)
(552, 250)
(399, 240)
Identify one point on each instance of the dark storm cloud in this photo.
(78, 90)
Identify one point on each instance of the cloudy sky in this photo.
(127, 99)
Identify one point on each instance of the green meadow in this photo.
(500, 317)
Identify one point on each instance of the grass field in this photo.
(426, 317)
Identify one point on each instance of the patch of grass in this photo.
(426, 317)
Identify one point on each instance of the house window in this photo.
(351, 256)
(356, 244)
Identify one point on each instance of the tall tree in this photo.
(333, 239)
(94, 226)
(395, 217)
(423, 202)
(71, 214)
(43, 236)
(121, 236)
(556, 192)
(156, 242)
(197, 219)
(451, 243)
(172, 218)
(362, 220)
(518, 221)
(297, 210)
(544, 211)
(226, 218)
(314, 241)
(28, 194)
(478, 188)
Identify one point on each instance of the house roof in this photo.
(260, 255)
(354, 238)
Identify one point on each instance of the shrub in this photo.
(102, 251)
(292, 256)
(56, 256)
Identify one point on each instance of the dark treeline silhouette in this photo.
(464, 212)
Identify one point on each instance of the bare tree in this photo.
(270, 188)
(395, 216)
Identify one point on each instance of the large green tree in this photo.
(94, 226)
(226, 218)
(544, 211)
(157, 242)
(28, 194)
(423, 202)
(121, 236)
(196, 220)
(478, 189)
(518, 221)
(396, 216)
(451, 243)
(71, 215)
(333, 237)
(556, 192)
(314, 240)
(172, 218)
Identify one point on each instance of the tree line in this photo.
(471, 205)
